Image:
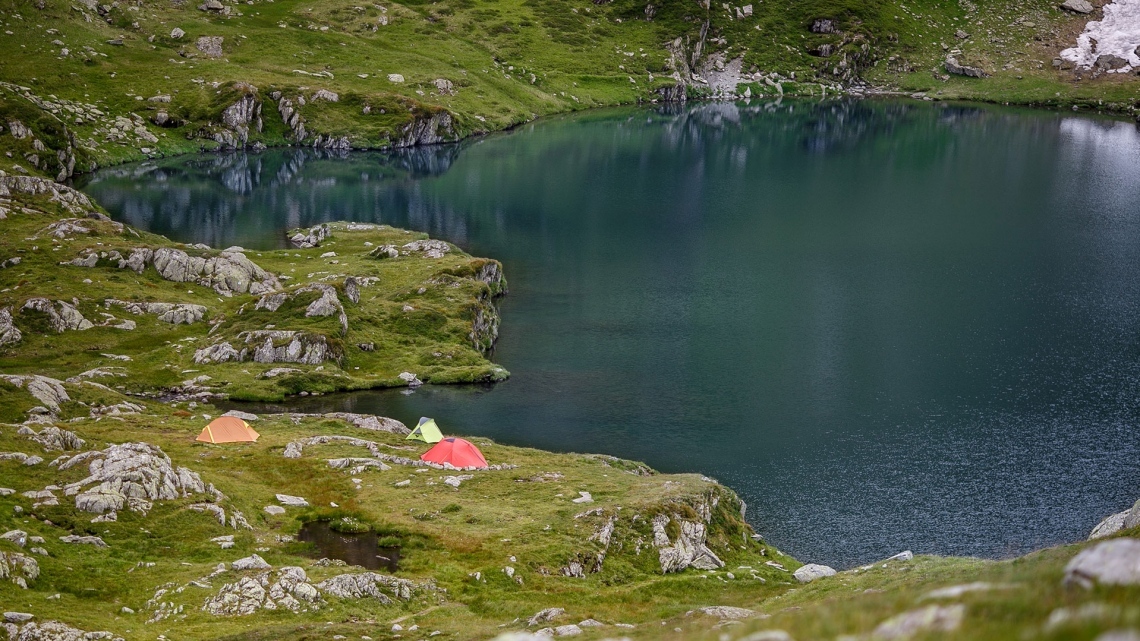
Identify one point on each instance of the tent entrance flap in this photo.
(426, 431)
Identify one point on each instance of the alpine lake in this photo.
(887, 325)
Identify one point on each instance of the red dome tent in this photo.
(455, 451)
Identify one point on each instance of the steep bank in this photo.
(94, 84)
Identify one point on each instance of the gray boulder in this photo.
(688, 550)
(18, 568)
(84, 540)
(1114, 562)
(173, 313)
(954, 67)
(351, 290)
(130, 475)
(1077, 6)
(48, 391)
(52, 438)
(368, 585)
(726, 612)
(813, 571)
(252, 562)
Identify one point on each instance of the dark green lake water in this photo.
(887, 325)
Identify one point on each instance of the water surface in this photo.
(887, 325)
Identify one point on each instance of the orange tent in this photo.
(228, 429)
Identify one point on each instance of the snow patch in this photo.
(1118, 34)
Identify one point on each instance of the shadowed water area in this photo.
(886, 325)
(354, 549)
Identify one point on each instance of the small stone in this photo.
(583, 497)
(292, 501)
(905, 555)
(177, 33)
(127, 610)
(18, 617)
(275, 510)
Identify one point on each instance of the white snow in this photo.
(1117, 34)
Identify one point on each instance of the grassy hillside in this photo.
(92, 80)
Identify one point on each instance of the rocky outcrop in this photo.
(369, 422)
(74, 202)
(291, 116)
(1129, 518)
(688, 550)
(434, 129)
(53, 438)
(18, 568)
(56, 631)
(271, 346)
(310, 238)
(48, 391)
(369, 585)
(1078, 6)
(9, 333)
(327, 304)
(428, 248)
(174, 313)
(130, 475)
(227, 273)
(953, 67)
(291, 590)
(61, 316)
(239, 118)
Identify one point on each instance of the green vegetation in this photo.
(414, 72)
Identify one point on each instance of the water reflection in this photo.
(888, 325)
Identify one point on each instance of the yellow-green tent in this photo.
(427, 431)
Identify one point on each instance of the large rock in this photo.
(1114, 523)
(239, 118)
(131, 475)
(62, 316)
(812, 571)
(271, 346)
(726, 612)
(1114, 562)
(545, 616)
(227, 273)
(327, 304)
(1077, 6)
(251, 562)
(954, 67)
(210, 46)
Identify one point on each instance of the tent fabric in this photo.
(427, 431)
(228, 429)
(456, 451)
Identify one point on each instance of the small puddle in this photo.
(353, 549)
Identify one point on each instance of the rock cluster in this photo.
(429, 248)
(308, 239)
(52, 438)
(18, 568)
(290, 589)
(271, 346)
(61, 316)
(174, 313)
(953, 67)
(9, 333)
(130, 475)
(55, 631)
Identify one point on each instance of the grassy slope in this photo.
(508, 61)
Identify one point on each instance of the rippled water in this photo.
(887, 325)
